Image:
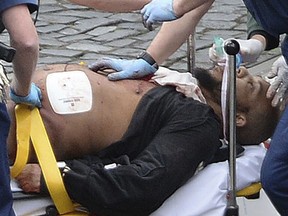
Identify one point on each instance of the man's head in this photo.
(256, 119)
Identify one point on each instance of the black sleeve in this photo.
(142, 185)
(186, 136)
(254, 28)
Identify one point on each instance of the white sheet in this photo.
(203, 195)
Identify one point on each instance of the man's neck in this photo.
(214, 101)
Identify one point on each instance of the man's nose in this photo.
(242, 72)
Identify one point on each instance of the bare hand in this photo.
(29, 178)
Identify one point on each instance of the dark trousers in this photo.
(5, 191)
(274, 173)
(273, 17)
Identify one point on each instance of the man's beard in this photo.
(205, 80)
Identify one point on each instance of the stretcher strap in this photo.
(250, 190)
(23, 122)
(48, 164)
(30, 124)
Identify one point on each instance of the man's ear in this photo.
(240, 119)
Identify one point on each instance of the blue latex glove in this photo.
(279, 85)
(33, 98)
(157, 11)
(126, 69)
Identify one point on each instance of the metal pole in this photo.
(232, 48)
(191, 53)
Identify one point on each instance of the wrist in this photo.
(148, 58)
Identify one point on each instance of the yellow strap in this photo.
(48, 164)
(29, 123)
(23, 122)
(250, 190)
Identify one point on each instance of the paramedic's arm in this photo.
(173, 34)
(24, 40)
(158, 11)
(254, 30)
(170, 37)
(113, 5)
(257, 41)
(279, 69)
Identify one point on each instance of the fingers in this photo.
(278, 87)
(157, 11)
(29, 178)
(38, 91)
(146, 20)
(276, 99)
(213, 54)
(147, 24)
(35, 90)
(119, 76)
(277, 90)
(33, 98)
(279, 96)
(273, 87)
(274, 70)
(101, 64)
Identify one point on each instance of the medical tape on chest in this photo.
(69, 92)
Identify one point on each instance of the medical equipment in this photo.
(231, 48)
(191, 53)
(6, 52)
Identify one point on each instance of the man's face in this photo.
(250, 90)
(256, 119)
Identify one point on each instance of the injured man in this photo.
(155, 136)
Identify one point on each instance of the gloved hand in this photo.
(278, 87)
(157, 11)
(33, 98)
(126, 69)
(250, 51)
